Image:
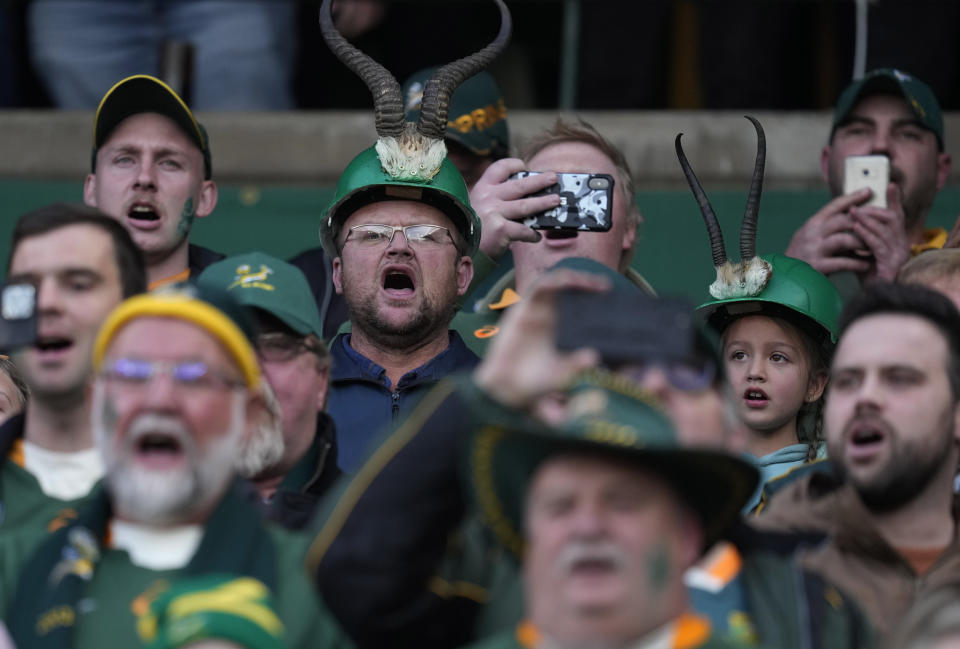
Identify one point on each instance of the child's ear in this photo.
(815, 386)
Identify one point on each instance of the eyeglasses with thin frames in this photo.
(278, 347)
(375, 235)
(138, 374)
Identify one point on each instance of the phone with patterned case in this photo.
(586, 203)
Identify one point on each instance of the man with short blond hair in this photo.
(568, 147)
(151, 170)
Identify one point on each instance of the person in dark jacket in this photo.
(405, 558)
(401, 234)
(292, 458)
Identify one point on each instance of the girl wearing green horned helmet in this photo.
(777, 317)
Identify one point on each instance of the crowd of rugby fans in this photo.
(407, 437)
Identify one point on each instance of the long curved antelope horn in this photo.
(709, 217)
(748, 227)
(387, 94)
(437, 90)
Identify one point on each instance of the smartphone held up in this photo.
(867, 171)
(586, 203)
(18, 316)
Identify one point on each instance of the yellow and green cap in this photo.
(261, 281)
(214, 311)
(609, 415)
(477, 117)
(917, 94)
(142, 93)
(225, 607)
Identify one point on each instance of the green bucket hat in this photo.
(609, 415)
(917, 94)
(227, 607)
(142, 93)
(259, 280)
(796, 292)
(477, 117)
(364, 181)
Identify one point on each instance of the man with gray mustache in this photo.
(177, 381)
(607, 511)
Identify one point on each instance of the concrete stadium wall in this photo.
(313, 147)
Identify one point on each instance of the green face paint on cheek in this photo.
(186, 218)
(658, 562)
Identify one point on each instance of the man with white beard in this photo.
(607, 511)
(176, 381)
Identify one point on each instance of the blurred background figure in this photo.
(220, 612)
(239, 53)
(13, 391)
(932, 623)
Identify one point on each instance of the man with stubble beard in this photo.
(151, 170)
(892, 114)
(891, 419)
(401, 260)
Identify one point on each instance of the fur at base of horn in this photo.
(743, 279)
(412, 156)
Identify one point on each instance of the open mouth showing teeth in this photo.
(143, 213)
(755, 395)
(398, 281)
(52, 344)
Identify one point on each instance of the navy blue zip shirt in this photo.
(363, 403)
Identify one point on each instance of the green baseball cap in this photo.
(477, 117)
(259, 280)
(609, 415)
(142, 93)
(226, 607)
(917, 94)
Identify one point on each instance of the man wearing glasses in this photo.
(177, 380)
(291, 466)
(401, 259)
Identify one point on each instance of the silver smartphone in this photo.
(872, 171)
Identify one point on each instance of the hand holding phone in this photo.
(870, 171)
(18, 316)
(586, 203)
(625, 328)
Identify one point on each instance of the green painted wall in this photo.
(673, 252)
